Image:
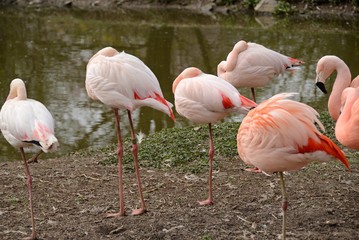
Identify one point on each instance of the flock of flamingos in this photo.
(275, 136)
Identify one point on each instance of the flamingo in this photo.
(26, 123)
(122, 81)
(347, 126)
(325, 67)
(205, 99)
(253, 65)
(280, 135)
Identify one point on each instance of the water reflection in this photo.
(50, 49)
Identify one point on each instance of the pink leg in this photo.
(135, 159)
(209, 200)
(253, 94)
(29, 188)
(34, 158)
(119, 166)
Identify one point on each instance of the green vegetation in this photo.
(283, 8)
(186, 149)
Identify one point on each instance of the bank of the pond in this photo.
(347, 9)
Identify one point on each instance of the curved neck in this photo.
(18, 92)
(341, 82)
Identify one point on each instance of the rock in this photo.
(266, 6)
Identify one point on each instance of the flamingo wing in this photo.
(281, 135)
(124, 81)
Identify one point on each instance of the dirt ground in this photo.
(72, 194)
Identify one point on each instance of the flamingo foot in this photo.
(115, 215)
(138, 211)
(208, 201)
(255, 170)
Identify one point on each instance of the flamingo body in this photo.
(347, 126)
(253, 65)
(280, 135)
(26, 122)
(206, 99)
(123, 81)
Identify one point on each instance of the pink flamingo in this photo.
(253, 65)
(280, 135)
(325, 67)
(206, 99)
(26, 123)
(122, 81)
(347, 125)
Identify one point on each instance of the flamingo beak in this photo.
(321, 86)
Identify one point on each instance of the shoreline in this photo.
(205, 6)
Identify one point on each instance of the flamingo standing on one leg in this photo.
(25, 123)
(280, 135)
(253, 65)
(206, 99)
(347, 126)
(120, 80)
(325, 67)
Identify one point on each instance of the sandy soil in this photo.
(72, 195)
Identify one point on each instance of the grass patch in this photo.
(186, 149)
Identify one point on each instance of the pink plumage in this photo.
(205, 99)
(27, 123)
(325, 67)
(347, 126)
(253, 65)
(280, 135)
(122, 81)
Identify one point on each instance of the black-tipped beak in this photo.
(321, 86)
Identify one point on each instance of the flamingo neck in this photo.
(19, 92)
(341, 82)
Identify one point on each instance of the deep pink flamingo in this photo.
(325, 67)
(347, 125)
(280, 135)
(205, 99)
(122, 81)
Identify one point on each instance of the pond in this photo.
(49, 50)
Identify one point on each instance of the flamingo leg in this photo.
(119, 156)
(253, 94)
(135, 159)
(29, 188)
(33, 159)
(284, 205)
(209, 200)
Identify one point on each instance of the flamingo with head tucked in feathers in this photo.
(205, 99)
(281, 135)
(27, 123)
(253, 65)
(122, 81)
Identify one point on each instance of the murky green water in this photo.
(49, 50)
